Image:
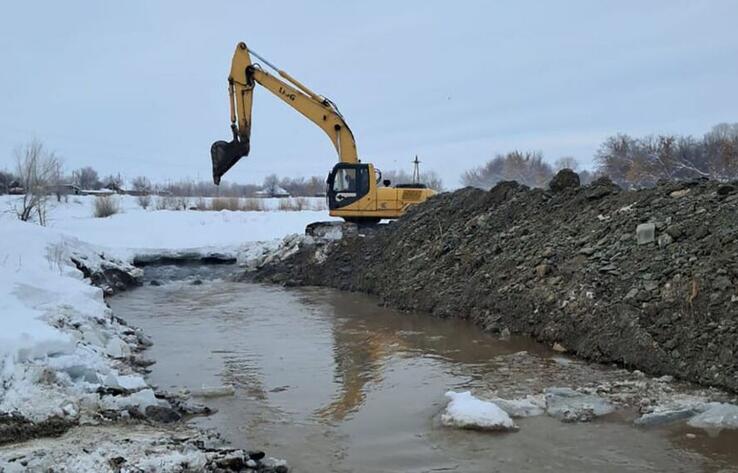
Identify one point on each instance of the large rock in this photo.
(646, 233)
(163, 414)
(601, 187)
(563, 180)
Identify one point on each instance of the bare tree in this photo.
(271, 184)
(316, 186)
(36, 170)
(527, 168)
(57, 183)
(300, 186)
(113, 182)
(639, 162)
(429, 178)
(141, 184)
(5, 179)
(586, 177)
(86, 178)
(566, 162)
(721, 143)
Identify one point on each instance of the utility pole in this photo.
(416, 170)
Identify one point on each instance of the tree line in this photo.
(631, 162)
(87, 178)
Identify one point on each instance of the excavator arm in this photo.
(241, 82)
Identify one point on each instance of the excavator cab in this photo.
(347, 183)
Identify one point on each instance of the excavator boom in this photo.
(241, 81)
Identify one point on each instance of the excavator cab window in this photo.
(345, 180)
(347, 183)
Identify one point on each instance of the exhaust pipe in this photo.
(224, 154)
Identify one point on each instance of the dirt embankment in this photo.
(563, 266)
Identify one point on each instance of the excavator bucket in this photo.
(225, 154)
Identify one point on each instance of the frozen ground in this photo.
(61, 348)
(139, 229)
(53, 318)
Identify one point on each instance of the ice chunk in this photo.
(214, 391)
(672, 412)
(81, 373)
(525, 407)
(467, 412)
(569, 405)
(117, 348)
(717, 416)
(129, 382)
(140, 400)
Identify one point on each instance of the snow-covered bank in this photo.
(135, 230)
(53, 320)
(133, 448)
(59, 341)
(65, 358)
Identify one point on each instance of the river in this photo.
(333, 382)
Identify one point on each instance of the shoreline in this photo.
(76, 367)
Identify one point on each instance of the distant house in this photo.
(15, 188)
(63, 189)
(275, 192)
(136, 192)
(96, 192)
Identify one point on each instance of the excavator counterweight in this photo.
(353, 188)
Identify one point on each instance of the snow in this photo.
(139, 400)
(136, 228)
(59, 342)
(467, 412)
(140, 448)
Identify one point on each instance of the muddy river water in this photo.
(333, 382)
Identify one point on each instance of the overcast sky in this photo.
(139, 87)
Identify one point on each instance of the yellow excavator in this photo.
(353, 189)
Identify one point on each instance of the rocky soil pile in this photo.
(645, 278)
